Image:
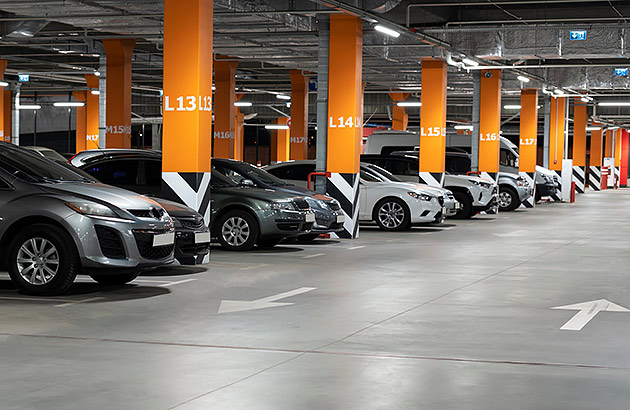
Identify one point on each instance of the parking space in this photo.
(436, 317)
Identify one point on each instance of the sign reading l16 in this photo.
(577, 35)
(621, 72)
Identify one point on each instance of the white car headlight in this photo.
(282, 206)
(419, 195)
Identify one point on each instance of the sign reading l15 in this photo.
(577, 35)
(621, 72)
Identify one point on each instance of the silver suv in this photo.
(55, 224)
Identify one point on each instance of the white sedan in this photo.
(394, 206)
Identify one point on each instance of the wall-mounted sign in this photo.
(24, 78)
(577, 35)
(621, 72)
(312, 84)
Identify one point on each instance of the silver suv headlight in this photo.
(522, 182)
(420, 196)
(94, 210)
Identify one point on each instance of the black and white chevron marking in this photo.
(617, 176)
(494, 176)
(432, 178)
(557, 196)
(579, 179)
(191, 189)
(595, 178)
(530, 177)
(345, 189)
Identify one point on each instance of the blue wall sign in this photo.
(621, 72)
(312, 84)
(577, 35)
(24, 77)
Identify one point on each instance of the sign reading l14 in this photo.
(577, 35)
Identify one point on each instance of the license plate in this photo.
(341, 218)
(164, 239)
(202, 237)
(310, 217)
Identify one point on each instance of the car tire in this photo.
(466, 210)
(392, 214)
(117, 279)
(508, 199)
(43, 260)
(309, 237)
(269, 242)
(237, 231)
(538, 196)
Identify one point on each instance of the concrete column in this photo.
(579, 145)
(81, 114)
(490, 123)
(400, 118)
(299, 115)
(118, 114)
(224, 98)
(528, 139)
(433, 122)
(92, 112)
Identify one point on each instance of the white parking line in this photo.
(76, 302)
(356, 247)
(312, 256)
(179, 282)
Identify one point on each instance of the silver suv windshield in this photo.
(31, 167)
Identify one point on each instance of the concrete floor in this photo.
(451, 317)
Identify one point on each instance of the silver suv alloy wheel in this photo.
(235, 231)
(505, 199)
(37, 261)
(391, 215)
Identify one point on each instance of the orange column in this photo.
(596, 158)
(433, 122)
(579, 133)
(282, 143)
(118, 99)
(579, 145)
(81, 122)
(91, 115)
(556, 139)
(490, 122)
(299, 115)
(224, 98)
(4, 132)
(239, 131)
(399, 114)
(187, 132)
(345, 117)
(528, 131)
(6, 114)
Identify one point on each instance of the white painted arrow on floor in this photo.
(264, 303)
(587, 311)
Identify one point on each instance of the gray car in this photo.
(55, 224)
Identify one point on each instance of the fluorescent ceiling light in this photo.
(386, 30)
(97, 73)
(613, 128)
(470, 62)
(614, 103)
(584, 99)
(69, 104)
(276, 127)
(409, 104)
(95, 92)
(242, 104)
(411, 88)
(558, 93)
(523, 79)
(4, 84)
(512, 107)
(593, 128)
(29, 107)
(283, 97)
(463, 127)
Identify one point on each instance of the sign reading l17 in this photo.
(621, 72)
(577, 35)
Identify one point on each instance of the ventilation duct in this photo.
(21, 29)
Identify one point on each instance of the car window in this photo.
(115, 172)
(385, 173)
(370, 176)
(32, 167)
(4, 185)
(402, 166)
(507, 158)
(297, 172)
(219, 180)
(230, 173)
(153, 177)
(457, 164)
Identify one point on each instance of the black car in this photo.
(192, 236)
(328, 214)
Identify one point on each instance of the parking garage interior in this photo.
(314, 204)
